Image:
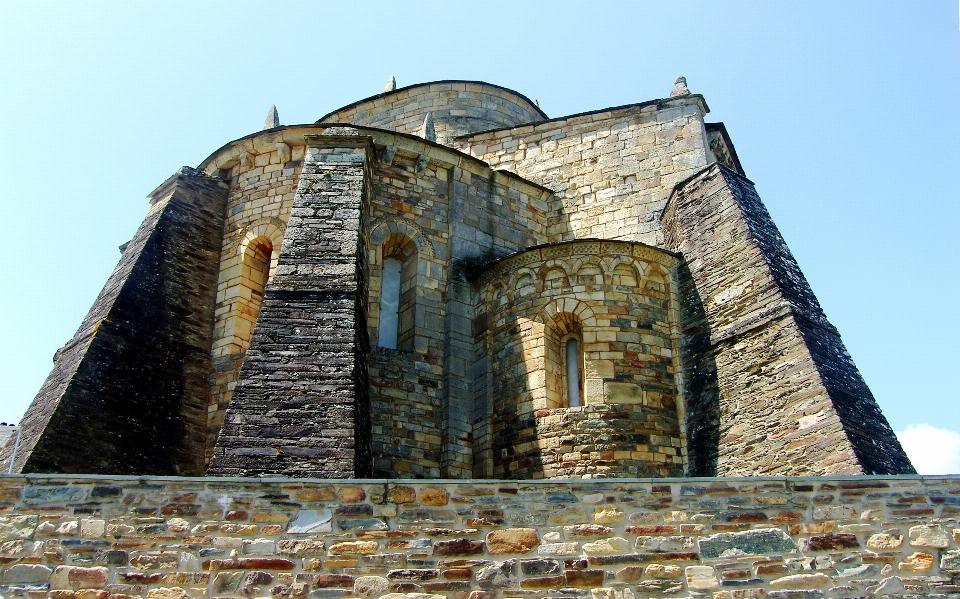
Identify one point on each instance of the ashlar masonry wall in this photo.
(612, 170)
(85, 537)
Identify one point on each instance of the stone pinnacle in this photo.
(273, 119)
(391, 84)
(680, 89)
(428, 132)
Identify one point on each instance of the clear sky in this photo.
(845, 114)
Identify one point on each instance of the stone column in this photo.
(301, 405)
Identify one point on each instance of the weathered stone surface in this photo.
(750, 542)
(434, 497)
(540, 567)
(884, 541)
(414, 559)
(609, 546)
(402, 495)
(801, 581)
(835, 541)
(458, 547)
(415, 575)
(427, 516)
(26, 573)
(99, 378)
(354, 548)
(559, 549)
(73, 577)
(253, 563)
(543, 582)
(362, 524)
(665, 544)
(300, 548)
(932, 536)
(917, 563)
(336, 581)
(311, 521)
(608, 515)
(306, 341)
(370, 586)
(167, 593)
(888, 586)
(570, 515)
(584, 578)
(662, 571)
(587, 531)
(17, 527)
(856, 571)
(502, 575)
(701, 578)
(512, 541)
(950, 561)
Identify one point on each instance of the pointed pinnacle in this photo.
(391, 84)
(428, 132)
(680, 88)
(273, 119)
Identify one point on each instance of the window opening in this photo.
(389, 303)
(574, 382)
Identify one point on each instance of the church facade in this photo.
(441, 281)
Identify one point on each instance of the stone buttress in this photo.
(771, 388)
(301, 407)
(128, 394)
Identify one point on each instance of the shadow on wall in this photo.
(701, 385)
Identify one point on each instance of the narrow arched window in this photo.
(390, 303)
(574, 381)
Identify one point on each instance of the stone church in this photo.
(441, 281)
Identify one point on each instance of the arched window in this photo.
(398, 293)
(574, 379)
(390, 303)
(255, 272)
(564, 361)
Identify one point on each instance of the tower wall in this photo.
(771, 389)
(612, 170)
(615, 301)
(457, 108)
(129, 393)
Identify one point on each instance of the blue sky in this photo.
(845, 114)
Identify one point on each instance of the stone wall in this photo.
(301, 406)
(616, 301)
(612, 170)
(171, 538)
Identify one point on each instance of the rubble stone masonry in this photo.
(85, 537)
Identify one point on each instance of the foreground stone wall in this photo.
(72, 537)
